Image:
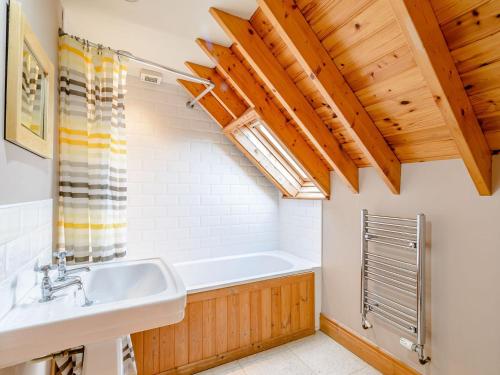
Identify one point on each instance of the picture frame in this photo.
(29, 119)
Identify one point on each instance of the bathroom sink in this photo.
(127, 296)
(124, 282)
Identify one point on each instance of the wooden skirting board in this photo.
(226, 324)
(364, 349)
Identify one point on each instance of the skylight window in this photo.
(275, 161)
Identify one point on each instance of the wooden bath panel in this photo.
(226, 324)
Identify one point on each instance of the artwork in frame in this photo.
(29, 117)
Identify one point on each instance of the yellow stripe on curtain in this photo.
(92, 185)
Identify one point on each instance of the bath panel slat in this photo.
(137, 343)
(255, 316)
(244, 319)
(152, 351)
(233, 322)
(304, 300)
(225, 324)
(196, 331)
(209, 328)
(286, 291)
(221, 324)
(275, 312)
(182, 340)
(295, 307)
(266, 313)
(167, 348)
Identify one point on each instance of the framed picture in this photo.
(30, 88)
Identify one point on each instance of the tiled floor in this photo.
(317, 354)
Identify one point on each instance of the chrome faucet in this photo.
(49, 288)
(62, 271)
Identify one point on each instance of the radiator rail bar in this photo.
(392, 280)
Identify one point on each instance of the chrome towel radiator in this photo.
(393, 275)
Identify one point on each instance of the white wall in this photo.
(23, 175)
(169, 27)
(191, 193)
(300, 228)
(464, 258)
(25, 240)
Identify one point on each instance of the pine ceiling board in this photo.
(325, 19)
(393, 63)
(447, 10)
(400, 85)
(275, 44)
(490, 123)
(427, 151)
(286, 59)
(440, 133)
(478, 54)
(295, 71)
(362, 26)
(421, 100)
(474, 38)
(425, 120)
(356, 155)
(309, 90)
(483, 79)
(493, 139)
(476, 24)
(369, 50)
(486, 104)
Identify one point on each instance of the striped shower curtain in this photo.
(92, 182)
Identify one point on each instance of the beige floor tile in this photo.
(232, 368)
(277, 361)
(325, 356)
(368, 370)
(312, 355)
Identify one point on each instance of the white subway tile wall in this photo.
(192, 194)
(300, 228)
(25, 239)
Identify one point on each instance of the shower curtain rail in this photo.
(190, 104)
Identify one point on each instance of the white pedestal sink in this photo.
(128, 296)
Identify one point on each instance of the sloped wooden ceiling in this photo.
(383, 82)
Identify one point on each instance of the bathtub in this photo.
(213, 273)
(236, 306)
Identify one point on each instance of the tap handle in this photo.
(45, 269)
(61, 255)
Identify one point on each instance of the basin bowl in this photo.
(124, 282)
(128, 296)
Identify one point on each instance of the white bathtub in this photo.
(214, 273)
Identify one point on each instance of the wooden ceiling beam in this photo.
(208, 102)
(246, 85)
(293, 28)
(222, 91)
(274, 75)
(212, 106)
(421, 29)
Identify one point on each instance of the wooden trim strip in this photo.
(420, 26)
(304, 44)
(249, 116)
(243, 81)
(367, 351)
(261, 59)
